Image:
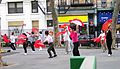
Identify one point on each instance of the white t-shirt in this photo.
(102, 36)
(12, 38)
(49, 39)
(66, 36)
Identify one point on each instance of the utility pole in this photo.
(114, 21)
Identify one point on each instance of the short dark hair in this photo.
(73, 26)
(12, 33)
(32, 32)
(46, 32)
(24, 34)
(40, 32)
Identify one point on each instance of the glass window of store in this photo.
(49, 23)
(48, 6)
(15, 26)
(15, 7)
(80, 1)
(35, 24)
(34, 6)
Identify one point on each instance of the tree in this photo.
(114, 21)
(1, 61)
(54, 17)
(55, 20)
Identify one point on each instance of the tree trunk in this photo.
(55, 20)
(114, 22)
(1, 62)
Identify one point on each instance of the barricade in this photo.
(82, 62)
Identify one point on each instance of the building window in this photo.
(15, 7)
(35, 24)
(15, 26)
(34, 6)
(103, 3)
(49, 23)
(48, 6)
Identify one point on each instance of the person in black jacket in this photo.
(109, 41)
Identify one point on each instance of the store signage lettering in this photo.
(103, 16)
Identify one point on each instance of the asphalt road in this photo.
(40, 60)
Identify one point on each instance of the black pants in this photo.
(31, 45)
(75, 49)
(25, 45)
(12, 46)
(51, 48)
(109, 43)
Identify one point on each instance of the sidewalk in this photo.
(40, 60)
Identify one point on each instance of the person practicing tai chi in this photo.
(49, 40)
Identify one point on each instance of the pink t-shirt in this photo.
(74, 36)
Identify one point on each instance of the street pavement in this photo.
(40, 60)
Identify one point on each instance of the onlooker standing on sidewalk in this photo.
(49, 40)
(12, 39)
(109, 41)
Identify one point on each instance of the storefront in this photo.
(15, 26)
(83, 18)
(104, 15)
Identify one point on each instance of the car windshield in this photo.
(86, 36)
(83, 37)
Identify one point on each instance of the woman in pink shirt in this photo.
(74, 37)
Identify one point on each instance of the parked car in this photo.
(86, 40)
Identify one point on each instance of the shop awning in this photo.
(15, 23)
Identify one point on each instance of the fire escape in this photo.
(67, 5)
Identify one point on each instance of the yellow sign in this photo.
(63, 19)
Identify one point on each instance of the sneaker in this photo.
(66, 53)
(25, 53)
(51, 57)
(109, 55)
(33, 51)
(55, 56)
(40, 49)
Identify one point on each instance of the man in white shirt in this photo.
(49, 40)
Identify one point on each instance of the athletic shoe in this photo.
(25, 53)
(55, 56)
(109, 55)
(51, 57)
